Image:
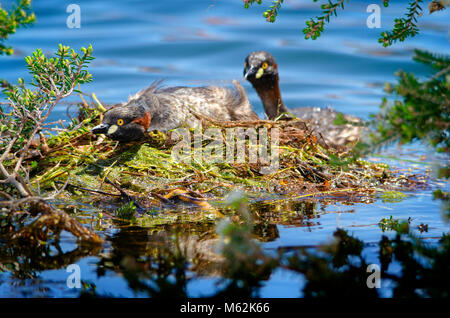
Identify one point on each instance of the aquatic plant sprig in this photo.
(126, 211)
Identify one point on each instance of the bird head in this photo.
(126, 122)
(260, 66)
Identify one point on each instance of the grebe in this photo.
(261, 70)
(163, 109)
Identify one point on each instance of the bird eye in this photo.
(265, 65)
(120, 122)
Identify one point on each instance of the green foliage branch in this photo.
(18, 16)
(22, 119)
(404, 27)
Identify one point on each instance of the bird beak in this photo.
(100, 129)
(253, 72)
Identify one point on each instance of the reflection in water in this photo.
(140, 246)
(150, 261)
(24, 261)
(289, 212)
(158, 261)
(161, 260)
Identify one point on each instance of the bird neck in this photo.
(269, 92)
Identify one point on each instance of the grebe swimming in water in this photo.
(261, 70)
(164, 109)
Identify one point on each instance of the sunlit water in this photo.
(205, 42)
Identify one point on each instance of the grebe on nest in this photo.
(163, 109)
(261, 70)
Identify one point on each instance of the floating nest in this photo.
(141, 182)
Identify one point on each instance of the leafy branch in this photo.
(423, 112)
(315, 28)
(19, 16)
(404, 27)
(24, 118)
(271, 13)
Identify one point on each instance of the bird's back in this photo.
(326, 122)
(172, 107)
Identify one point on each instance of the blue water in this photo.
(205, 42)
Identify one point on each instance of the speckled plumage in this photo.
(323, 120)
(173, 107)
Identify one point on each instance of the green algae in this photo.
(392, 196)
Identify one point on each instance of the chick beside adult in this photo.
(156, 108)
(261, 70)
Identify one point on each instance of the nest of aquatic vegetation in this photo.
(106, 174)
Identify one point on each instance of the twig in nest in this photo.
(90, 190)
(311, 173)
(162, 198)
